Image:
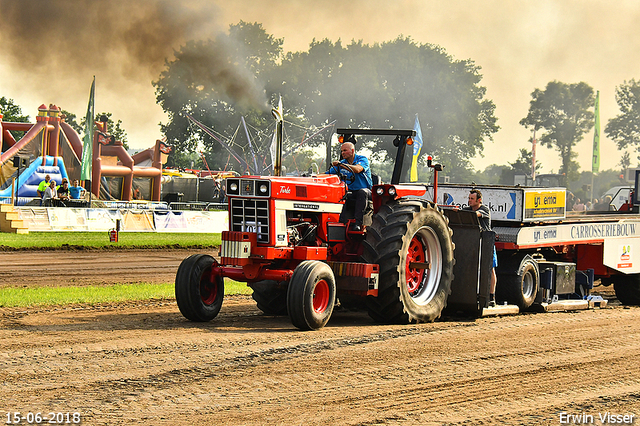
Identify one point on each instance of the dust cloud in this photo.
(72, 36)
(56, 47)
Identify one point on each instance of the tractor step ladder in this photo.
(500, 310)
(10, 220)
(573, 305)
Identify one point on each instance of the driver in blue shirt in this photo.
(358, 176)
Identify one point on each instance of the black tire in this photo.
(519, 281)
(351, 302)
(401, 232)
(199, 297)
(627, 289)
(311, 295)
(270, 296)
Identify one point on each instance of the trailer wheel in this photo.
(270, 296)
(627, 289)
(520, 283)
(199, 294)
(404, 238)
(311, 295)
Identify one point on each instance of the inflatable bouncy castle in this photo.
(52, 147)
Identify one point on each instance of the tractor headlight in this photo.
(233, 187)
(380, 190)
(249, 187)
(263, 188)
(392, 191)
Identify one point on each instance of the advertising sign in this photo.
(35, 218)
(544, 204)
(67, 219)
(137, 221)
(507, 203)
(191, 221)
(504, 203)
(623, 255)
(102, 219)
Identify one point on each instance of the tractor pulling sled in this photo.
(414, 257)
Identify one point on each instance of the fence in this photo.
(131, 220)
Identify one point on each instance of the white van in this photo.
(619, 196)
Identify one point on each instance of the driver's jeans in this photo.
(359, 198)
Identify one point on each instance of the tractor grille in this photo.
(251, 215)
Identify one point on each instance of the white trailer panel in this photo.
(620, 239)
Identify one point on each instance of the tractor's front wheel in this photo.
(411, 241)
(311, 295)
(199, 293)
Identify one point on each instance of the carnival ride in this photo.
(51, 146)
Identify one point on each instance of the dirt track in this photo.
(142, 363)
(90, 267)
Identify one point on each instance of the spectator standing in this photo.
(50, 194)
(221, 191)
(76, 191)
(605, 205)
(63, 190)
(579, 206)
(570, 201)
(42, 186)
(484, 217)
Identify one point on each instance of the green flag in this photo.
(595, 165)
(87, 146)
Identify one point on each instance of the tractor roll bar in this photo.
(381, 132)
(400, 141)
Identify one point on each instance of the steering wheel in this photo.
(349, 177)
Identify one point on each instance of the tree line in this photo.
(239, 74)
(230, 82)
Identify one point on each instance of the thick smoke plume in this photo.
(70, 40)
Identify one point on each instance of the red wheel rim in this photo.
(208, 289)
(321, 295)
(415, 253)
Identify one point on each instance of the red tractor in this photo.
(286, 241)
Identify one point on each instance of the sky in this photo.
(52, 50)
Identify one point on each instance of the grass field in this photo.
(23, 297)
(41, 296)
(101, 239)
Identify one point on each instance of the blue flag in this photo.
(417, 146)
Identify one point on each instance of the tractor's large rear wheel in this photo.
(411, 242)
(199, 293)
(270, 296)
(311, 295)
